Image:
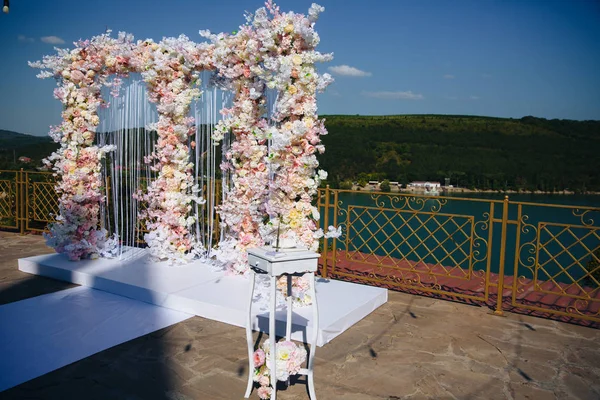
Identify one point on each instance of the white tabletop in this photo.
(268, 253)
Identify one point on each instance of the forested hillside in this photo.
(475, 152)
(15, 145)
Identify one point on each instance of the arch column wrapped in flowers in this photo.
(171, 72)
(274, 174)
(170, 69)
(80, 73)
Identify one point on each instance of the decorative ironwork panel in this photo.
(41, 200)
(440, 244)
(557, 265)
(8, 200)
(44, 202)
(406, 242)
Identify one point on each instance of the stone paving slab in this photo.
(410, 348)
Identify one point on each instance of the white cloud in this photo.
(473, 97)
(25, 39)
(449, 76)
(450, 97)
(52, 40)
(408, 95)
(346, 70)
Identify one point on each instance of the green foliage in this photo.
(474, 152)
(346, 185)
(14, 145)
(385, 186)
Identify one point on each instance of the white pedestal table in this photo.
(288, 262)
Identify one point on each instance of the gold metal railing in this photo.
(29, 202)
(10, 199)
(41, 200)
(556, 265)
(539, 259)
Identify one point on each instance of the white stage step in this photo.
(197, 289)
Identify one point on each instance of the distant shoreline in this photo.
(368, 188)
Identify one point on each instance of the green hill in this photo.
(14, 145)
(480, 152)
(475, 152)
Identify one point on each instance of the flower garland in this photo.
(273, 168)
(242, 210)
(290, 70)
(172, 76)
(289, 358)
(81, 73)
(170, 69)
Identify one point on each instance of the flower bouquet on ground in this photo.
(289, 358)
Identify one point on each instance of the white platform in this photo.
(44, 333)
(197, 289)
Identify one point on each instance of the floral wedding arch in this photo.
(271, 162)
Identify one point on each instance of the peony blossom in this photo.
(259, 358)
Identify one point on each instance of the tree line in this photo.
(473, 152)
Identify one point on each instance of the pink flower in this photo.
(77, 76)
(259, 358)
(264, 392)
(264, 380)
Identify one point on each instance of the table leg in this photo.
(315, 335)
(288, 323)
(249, 338)
(273, 337)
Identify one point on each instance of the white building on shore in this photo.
(422, 185)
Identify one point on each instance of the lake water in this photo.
(553, 242)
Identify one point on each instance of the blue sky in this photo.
(506, 58)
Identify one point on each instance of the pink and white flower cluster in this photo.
(273, 168)
(300, 286)
(242, 210)
(296, 138)
(170, 68)
(171, 72)
(81, 73)
(289, 358)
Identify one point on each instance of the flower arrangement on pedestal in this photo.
(289, 358)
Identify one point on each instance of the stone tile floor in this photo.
(411, 348)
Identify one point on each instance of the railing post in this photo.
(499, 310)
(22, 209)
(326, 221)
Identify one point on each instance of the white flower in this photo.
(332, 232)
(314, 11)
(315, 213)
